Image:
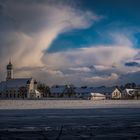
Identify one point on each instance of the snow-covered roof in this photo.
(37, 92)
(14, 83)
(103, 90)
(97, 95)
(130, 91)
(83, 90)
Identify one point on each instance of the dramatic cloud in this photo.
(103, 80)
(132, 64)
(94, 65)
(28, 28)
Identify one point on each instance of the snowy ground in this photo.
(69, 120)
(67, 104)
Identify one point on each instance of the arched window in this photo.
(6, 95)
(18, 95)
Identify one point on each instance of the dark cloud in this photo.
(132, 64)
(28, 27)
(1, 9)
(129, 78)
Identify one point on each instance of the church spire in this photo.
(9, 71)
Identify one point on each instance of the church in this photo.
(18, 88)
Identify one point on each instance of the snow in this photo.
(98, 94)
(76, 124)
(78, 119)
(67, 104)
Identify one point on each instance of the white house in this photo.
(116, 94)
(97, 96)
(131, 93)
(107, 91)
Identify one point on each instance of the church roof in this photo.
(14, 83)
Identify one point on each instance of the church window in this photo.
(10, 95)
(18, 96)
(25, 95)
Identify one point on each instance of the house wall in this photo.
(98, 98)
(116, 94)
(15, 92)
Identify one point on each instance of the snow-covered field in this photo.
(67, 104)
(69, 120)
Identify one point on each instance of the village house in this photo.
(18, 87)
(133, 93)
(116, 94)
(97, 96)
(107, 91)
(83, 92)
(62, 91)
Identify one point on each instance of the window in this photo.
(25, 95)
(18, 95)
(7, 95)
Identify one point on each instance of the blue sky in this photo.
(118, 16)
(87, 42)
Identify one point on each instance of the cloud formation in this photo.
(28, 29)
(94, 65)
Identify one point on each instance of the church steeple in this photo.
(9, 71)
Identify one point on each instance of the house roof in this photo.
(81, 90)
(129, 91)
(14, 83)
(103, 90)
(97, 95)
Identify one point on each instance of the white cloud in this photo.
(93, 64)
(100, 55)
(103, 80)
(80, 69)
(35, 26)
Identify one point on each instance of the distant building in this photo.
(107, 91)
(97, 96)
(57, 91)
(117, 94)
(18, 87)
(131, 93)
(62, 91)
(83, 92)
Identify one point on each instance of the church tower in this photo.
(9, 71)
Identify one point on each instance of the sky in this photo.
(80, 42)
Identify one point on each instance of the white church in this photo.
(18, 88)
